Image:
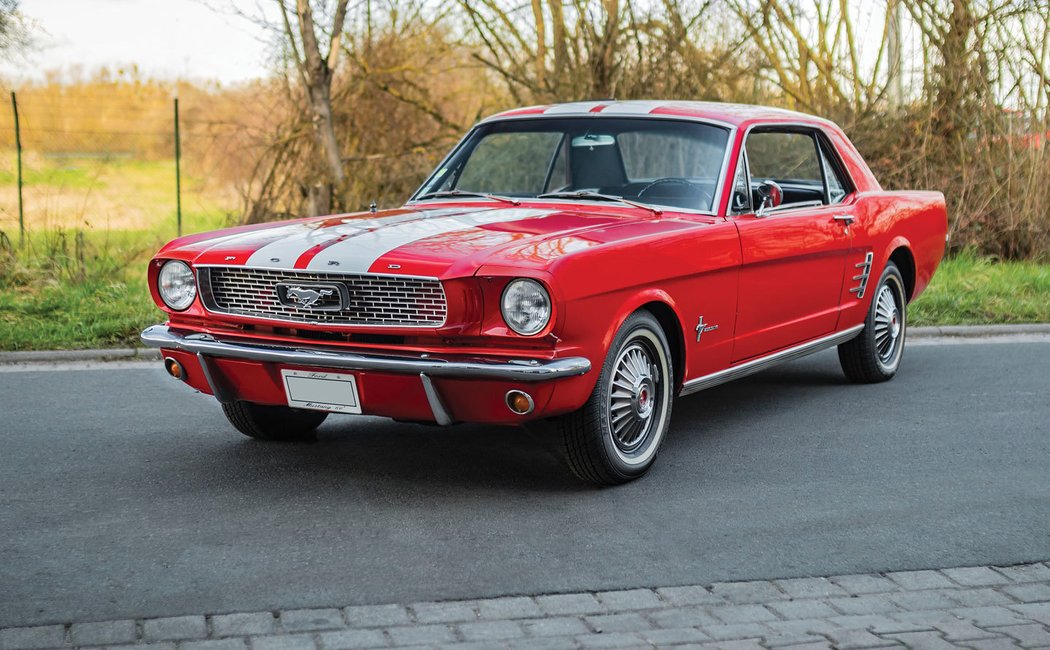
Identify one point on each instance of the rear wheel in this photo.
(615, 436)
(273, 422)
(875, 354)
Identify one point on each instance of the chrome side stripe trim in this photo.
(762, 363)
(865, 271)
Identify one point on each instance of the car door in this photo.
(793, 255)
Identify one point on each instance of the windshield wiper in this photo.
(598, 196)
(443, 194)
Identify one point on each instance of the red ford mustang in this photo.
(583, 262)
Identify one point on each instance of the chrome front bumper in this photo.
(527, 370)
(207, 347)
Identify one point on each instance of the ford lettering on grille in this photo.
(324, 298)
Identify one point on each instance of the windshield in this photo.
(656, 162)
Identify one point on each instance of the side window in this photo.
(836, 188)
(791, 159)
(741, 192)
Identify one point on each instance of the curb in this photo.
(150, 354)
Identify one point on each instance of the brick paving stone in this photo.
(467, 645)
(215, 644)
(41, 636)
(865, 583)
(736, 631)
(510, 607)
(544, 643)
(868, 604)
(1028, 593)
(980, 597)
(922, 640)
(676, 617)
(739, 644)
(919, 600)
(1035, 611)
(159, 645)
(283, 642)
(849, 639)
(610, 640)
(800, 627)
(376, 615)
(814, 645)
(810, 608)
(174, 628)
(627, 622)
(975, 576)
(673, 636)
(1026, 572)
(556, 626)
(998, 643)
(809, 588)
(421, 634)
(878, 623)
(244, 624)
(103, 633)
(570, 604)
(989, 616)
(448, 612)
(1029, 636)
(742, 614)
(918, 580)
(490, 630)
(630, 599)
(352, 639)
(311, 620)
(960, 630)
(689, 596)
(748, 592)
(792, 640)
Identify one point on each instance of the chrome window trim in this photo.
(716, 200)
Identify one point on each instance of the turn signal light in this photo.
(520, 402)
(175, 369)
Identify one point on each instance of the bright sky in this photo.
(195, 39)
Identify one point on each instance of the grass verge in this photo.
(61, 293)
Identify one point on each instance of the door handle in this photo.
(845, 219)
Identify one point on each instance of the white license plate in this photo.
(321, 391)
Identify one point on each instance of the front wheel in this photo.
(273, 422)
(875, 354)
(614, 438)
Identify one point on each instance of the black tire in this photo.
(599, 447)
(875, 354)
(273, 422)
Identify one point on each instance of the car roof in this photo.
(733, 114)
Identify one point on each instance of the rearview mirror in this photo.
(770, 195)
(593, 140)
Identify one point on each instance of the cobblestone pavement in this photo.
(973, 607)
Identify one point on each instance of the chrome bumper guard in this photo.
(206, 346)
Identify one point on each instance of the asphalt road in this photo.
(124, 494)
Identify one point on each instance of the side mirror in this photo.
(770, 195)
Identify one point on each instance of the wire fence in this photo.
(75, 163)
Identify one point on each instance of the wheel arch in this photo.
(902, 256)
(662, 307)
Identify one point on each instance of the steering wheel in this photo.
(692, 189)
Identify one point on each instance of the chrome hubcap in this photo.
(888, 323)
(633, 397)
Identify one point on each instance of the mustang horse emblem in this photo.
(306, 297)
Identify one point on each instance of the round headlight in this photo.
(526, 306)
(176, 285)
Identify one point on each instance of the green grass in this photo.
(968, 290)
(54, 297)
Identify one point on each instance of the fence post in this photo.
(178, 172)
(18, 149)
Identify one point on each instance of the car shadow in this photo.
(402, 456)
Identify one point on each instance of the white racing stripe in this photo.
(299, 238)
(357, 253)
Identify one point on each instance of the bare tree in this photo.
(14, 33)
(316, 71)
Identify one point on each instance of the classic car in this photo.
(581, 264)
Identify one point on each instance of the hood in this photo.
(441, 241)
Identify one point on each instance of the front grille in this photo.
(383, 300)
